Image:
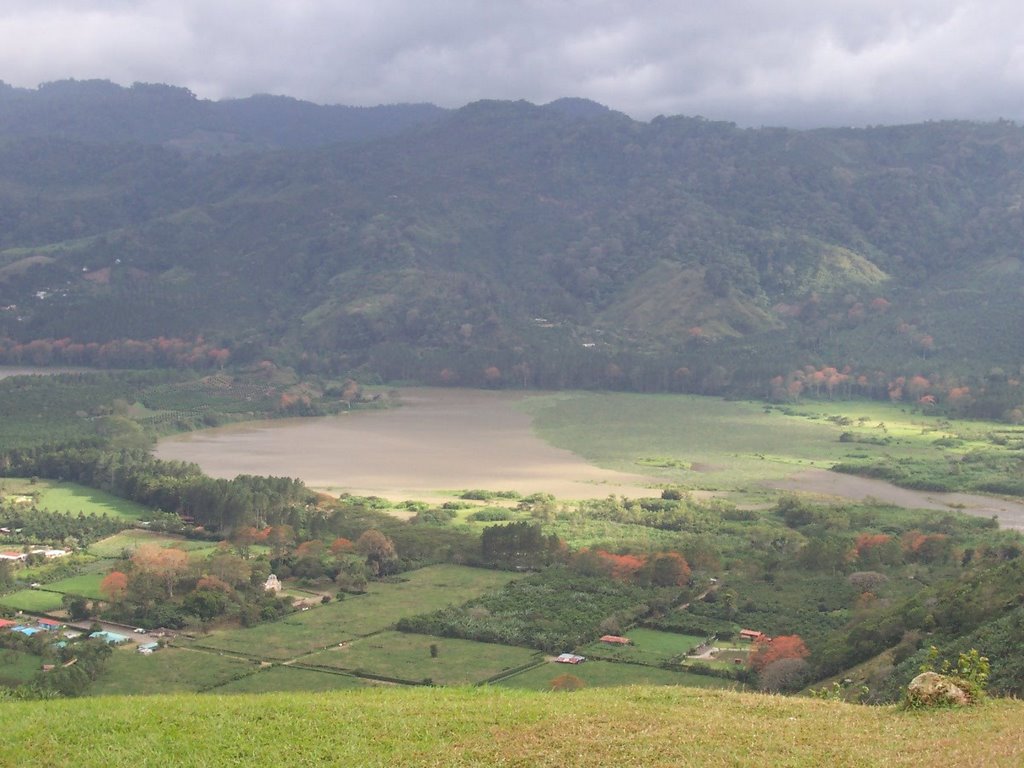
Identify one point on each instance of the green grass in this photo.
(278, 678)
(626, 727)
(602, 674)
(17, 667)
(72, 498)
(85, 585)
(407, 657)
(35, 600)
(169, 670)
(422, 591)
(649, 647)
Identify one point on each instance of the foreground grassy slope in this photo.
(483, 727)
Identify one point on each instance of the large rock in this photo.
(930, 689)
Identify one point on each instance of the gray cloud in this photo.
(789, 62)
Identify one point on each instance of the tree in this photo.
(784, 675)
(379, 550)
(165, 563)
(668, 569)
(114, 586)
(782, 647)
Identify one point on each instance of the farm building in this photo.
(753, 635)
(12, 556)
(148, 648)
(7, 623)
(615, 640)
(48, 624)
(570, 658)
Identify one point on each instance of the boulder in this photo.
(930, 689)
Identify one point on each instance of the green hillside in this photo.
(484, 727)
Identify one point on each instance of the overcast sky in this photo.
(784, 62)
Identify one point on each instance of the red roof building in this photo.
(615, 640)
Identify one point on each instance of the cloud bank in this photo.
(790, 62)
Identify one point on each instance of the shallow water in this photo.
(438, 441)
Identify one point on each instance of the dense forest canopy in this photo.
(508, 244)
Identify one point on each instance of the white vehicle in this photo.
(140, 631)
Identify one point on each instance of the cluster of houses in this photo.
(32, 627)
(35, 626)
(14, 556)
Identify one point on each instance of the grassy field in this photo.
(649, 647)
(667, 726)
(169, 670)
(85, 585)
(408, 657)
(279, 678)
(35, 600)
(113, 546)
(487, 727)
(603, 674)
(421, 591)
(71, 498)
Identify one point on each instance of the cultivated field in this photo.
(409, 658)
(170, 670)
(298, 634)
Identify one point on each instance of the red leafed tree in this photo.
(341, 545)
(669, 569)
(114, 586)
(782, 647)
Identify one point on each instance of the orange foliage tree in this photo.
(114, 586)
(782, 647)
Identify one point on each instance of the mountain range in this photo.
(565, 242)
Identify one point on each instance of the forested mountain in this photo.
(507, 243)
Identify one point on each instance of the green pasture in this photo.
(288, 678)
(599, 674)
(113, 546)
(17, 667)
(705, 443)
(85, 585)
(168, 670)
(408, 657)
(422, 591)
(35, 600)
(728, 657)
(70, 498)
(650, 647)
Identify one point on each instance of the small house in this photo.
(7, 623)
(12, 556)
(49, 624)
(147, 648)
(616, 640)
(111, 638)
(570, 658)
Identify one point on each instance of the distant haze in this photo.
(799, 63)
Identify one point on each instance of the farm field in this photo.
(34, 600)
(424, 590)
(280, 677)
(408, 657)
(600, 674)
(84, 585)
(650, 647)
(169, 670)
(70, 498)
